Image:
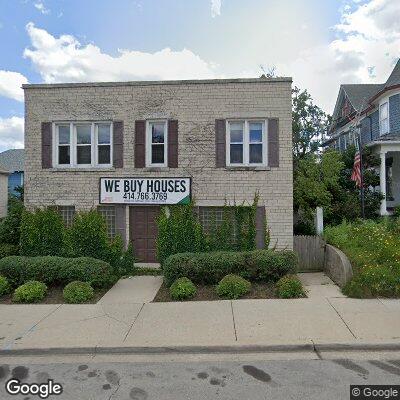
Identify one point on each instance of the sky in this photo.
(321, 44)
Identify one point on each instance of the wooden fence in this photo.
(311, 252)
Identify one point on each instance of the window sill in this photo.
(248, 168)
(156, 169)
(83, 169)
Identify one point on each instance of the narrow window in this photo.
(64, 144)
(384, 118)
(108, 213)
(236, 131)
(83, 144)
(256, 142)
(103, 136)
(67, 214)
(157, 139)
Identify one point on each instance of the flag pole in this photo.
(361, 177)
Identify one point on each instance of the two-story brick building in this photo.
(371, 112)
(128, 148)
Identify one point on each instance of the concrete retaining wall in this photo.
(337, 266)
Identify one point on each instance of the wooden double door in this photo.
(143, 232)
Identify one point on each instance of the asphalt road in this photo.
(213, 379)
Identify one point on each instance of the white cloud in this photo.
(10, 84)
(64, 59)
(368, 39)
(41, 7)
(215, 8)
(11, 133)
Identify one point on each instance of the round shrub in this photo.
(4, 286)
(30, 292)
(182, 289)
(7, 250)
(233, 286)
(78, 292)
(289, 287)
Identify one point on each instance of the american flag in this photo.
(356, 175)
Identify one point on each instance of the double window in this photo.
(83, 144)
(246, 143)
(156, 143)
(384, 118)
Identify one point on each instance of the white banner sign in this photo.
(145, 190)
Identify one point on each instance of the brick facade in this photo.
(196, 105)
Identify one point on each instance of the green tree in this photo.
(315, 179)
(309, 124)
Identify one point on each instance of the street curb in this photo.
(306, 347)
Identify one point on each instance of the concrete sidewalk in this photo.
(325, 317)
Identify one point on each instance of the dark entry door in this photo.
(143, 232)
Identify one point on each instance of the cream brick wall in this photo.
(195, 105)
(3, 194)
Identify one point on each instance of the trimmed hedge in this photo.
(30, 292)
(7, 250)
(210, 268)
(56, 270)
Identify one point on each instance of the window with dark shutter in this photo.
(140, 144)
(273, 142)
(220, 143)
(173, 143)
(47, 158)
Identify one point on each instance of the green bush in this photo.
(232, 287)
(374, 281)
(30, 292)
(78, 292)
(178, 231)
(11, 224)
(126, 263)
(56, 270)
(4, 286)
(42, 233)
(210, 268)
(87, 237)
(289, 287)
(182, 289)
(373, 248)
(7, 249)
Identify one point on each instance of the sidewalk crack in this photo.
(130, 328)
(234, 323)
(337, 312)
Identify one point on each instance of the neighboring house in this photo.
(3, 191)
(372, 111)
(13, 161)
(128, 148)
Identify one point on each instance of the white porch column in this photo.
(383, 182)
